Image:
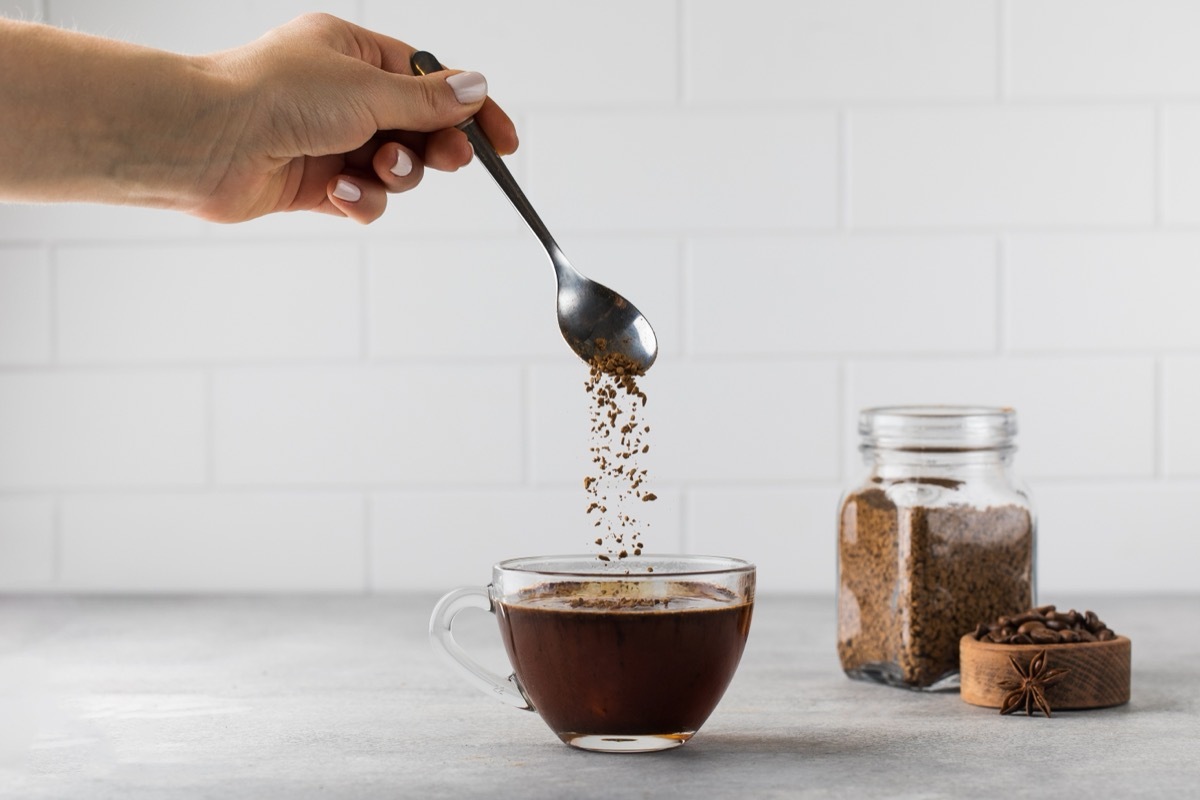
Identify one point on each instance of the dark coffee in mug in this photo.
(598, 660)
(615, 658)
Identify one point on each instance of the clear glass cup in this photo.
(937, 538)
(626, 656)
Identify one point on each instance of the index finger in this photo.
(498, 127)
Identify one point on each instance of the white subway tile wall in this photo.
(1181, 164)
(27, 542)
(208, 303)
(1103, 48)
(63, 429)
(1006, 165)
(213, 541)
(763, 52)
(821, 205)
(413, 533)
(25, 304)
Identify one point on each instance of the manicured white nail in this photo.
(345, 190)
(469, 87)
(403, 164)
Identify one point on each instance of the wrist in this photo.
(94, 120)
(160, 146)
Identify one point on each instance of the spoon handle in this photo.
(424, 63)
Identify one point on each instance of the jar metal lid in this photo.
(938, 427)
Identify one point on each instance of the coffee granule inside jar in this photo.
(615, 446)
(914, 579)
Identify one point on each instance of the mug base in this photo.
(618, 743)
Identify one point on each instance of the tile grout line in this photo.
(1160, 418)
(58, 541)
(842, 419)
(52, 334)
(210, 432)
(368, 509)
(685, 302)
(1002, 299)
(1160, 166)
(364, 305)
(1002, 37)
(525, 398)
(58, 550)
(682, 54)
(684, 516)
(847, 419)
(843, 222)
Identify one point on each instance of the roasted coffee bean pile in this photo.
(1045, 625)
(914, 579)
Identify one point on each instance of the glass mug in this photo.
(628, 656)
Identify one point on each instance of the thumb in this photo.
(425, 103)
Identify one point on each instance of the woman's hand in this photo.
(318, 114)
(329, 117)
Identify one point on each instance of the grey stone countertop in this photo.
(298, 697)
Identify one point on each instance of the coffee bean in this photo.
(1051, 627)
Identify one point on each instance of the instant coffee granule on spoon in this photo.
(617, 441)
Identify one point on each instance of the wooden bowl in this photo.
(1098, 671)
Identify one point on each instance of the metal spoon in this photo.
(592, 317)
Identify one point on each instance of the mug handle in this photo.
(441, 636)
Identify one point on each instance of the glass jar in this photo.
(938, 538)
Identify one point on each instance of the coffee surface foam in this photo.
(614, 596)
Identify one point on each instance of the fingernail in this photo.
(469, 87)
(403, 164)
(345, 190)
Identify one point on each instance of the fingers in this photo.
(441, 100)
(448, 150)
(398, 167)
(361, 199)
(498, 126)
(430, 103)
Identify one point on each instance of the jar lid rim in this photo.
(969, 426)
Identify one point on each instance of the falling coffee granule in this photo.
(616, 443)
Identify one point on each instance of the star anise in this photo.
(1030, 690)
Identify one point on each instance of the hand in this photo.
(329, 117)
(319, 114)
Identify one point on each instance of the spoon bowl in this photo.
(594, 320)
